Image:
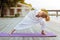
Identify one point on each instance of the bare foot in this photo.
(12, 31)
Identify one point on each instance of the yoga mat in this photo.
(27, 35)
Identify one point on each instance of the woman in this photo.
(32, 18)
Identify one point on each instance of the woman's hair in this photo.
(46, 16)
(44, 10)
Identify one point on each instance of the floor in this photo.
(7, 25)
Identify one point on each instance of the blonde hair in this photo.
(47, 18)
(44, 10)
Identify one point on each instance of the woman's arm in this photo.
(43, 26)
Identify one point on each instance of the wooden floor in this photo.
(7, 24)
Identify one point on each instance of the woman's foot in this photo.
(12, 31)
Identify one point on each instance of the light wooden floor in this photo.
(7, 24)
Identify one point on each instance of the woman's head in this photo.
(44, 14)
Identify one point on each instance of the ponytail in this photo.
(47, 18)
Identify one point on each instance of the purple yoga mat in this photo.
(27, 35)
